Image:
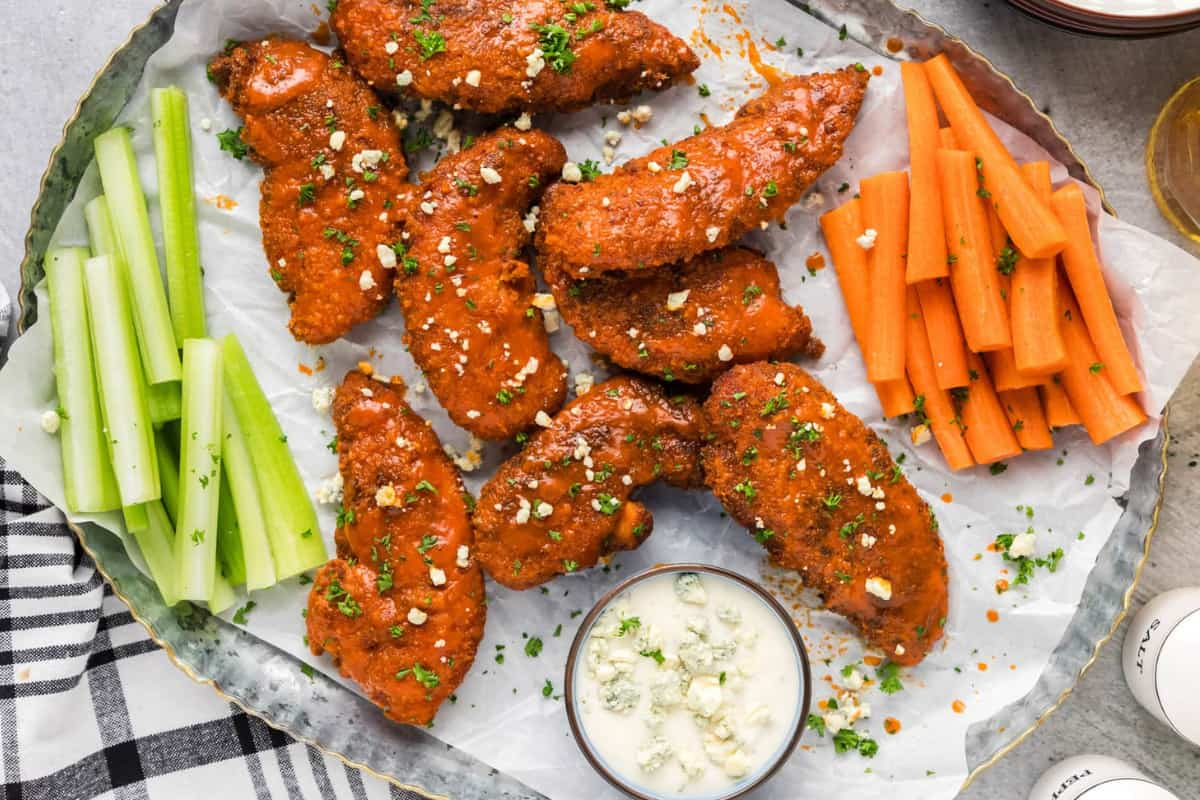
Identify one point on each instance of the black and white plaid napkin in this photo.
(90, 707)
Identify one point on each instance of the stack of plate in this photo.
(1124, 18)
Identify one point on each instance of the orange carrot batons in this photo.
(973, 275)
(1059, 411)
(1033, 303)
(926, 241)
(946, 139)
(989, 433)
(1005, 376)
(1105, 412)
(1087, 284)
(1030, 223)
(944, 333)
(936, 403)
(885, 211)
(842, 227)
(1024, 409)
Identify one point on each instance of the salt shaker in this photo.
(1160, 660)
(1095, 777)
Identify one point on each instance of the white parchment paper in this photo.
(501, 715)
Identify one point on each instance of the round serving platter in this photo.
(318, 711)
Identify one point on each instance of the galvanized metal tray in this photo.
(268, 683)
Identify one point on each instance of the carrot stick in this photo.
(1029, 221)
(1087, 283)
(1105, 411)
(1005, 376)
(885, 210)
(1059, 411)
(926, 241)
(1002, 363)
(1024, 411)
(842, 227)
(936, 404)
(973, 275)
(1037, 342)
(946, 139)
(944, 333)
(988, 431)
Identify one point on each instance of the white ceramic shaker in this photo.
(1095, 777)
(1161, 663)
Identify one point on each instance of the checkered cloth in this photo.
(91, 708)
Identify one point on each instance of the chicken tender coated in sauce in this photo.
(470, 322)
(333, 162)
(818, 489)
(402, 608)
(563, 502)
(523, 55)
(704, 192)
(688, 322)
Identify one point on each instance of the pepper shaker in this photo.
(1096, 777)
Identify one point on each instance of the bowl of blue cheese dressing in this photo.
(687, 681)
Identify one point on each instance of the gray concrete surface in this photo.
(1102, 94)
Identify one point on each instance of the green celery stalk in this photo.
(166, 402)
(157, 545)
(136, 518)
(131, 220)
(200, 469)
(292, 526)
(230, 558)
(87, 474)
(122, 389)
(223, 596)
(243, 486)
(176, 195)
(168, 471)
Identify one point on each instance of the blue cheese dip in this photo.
(688, 685)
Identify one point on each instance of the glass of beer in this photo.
(1173, 159)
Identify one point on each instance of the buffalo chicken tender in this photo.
(523, 55)
(704, 192)
(818, 489)
(563, 502)
(688, 322)
(470, 321)
(401, 610)
(333, 164)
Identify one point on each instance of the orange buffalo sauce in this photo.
(993, 615)
(959, 706)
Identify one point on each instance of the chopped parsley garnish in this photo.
(656, 654)
(426, 677)
(889, 678)
(570, 566)
(589, 169)
(749, 293)
(629, 624)
(547, 688)
(308, 193)
(607, 504)
(231, 142)
(533, 647)
(679, 160)
(776, 403)
(746, 489)
(555, 43)
(239, 616)
(430, 43)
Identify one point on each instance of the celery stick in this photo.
(168, 470)
(87, 474)
(292, 525)
(122, 391)
(136, 518)
(176, 197)
(200, 469)
(231, 560)
(157, 545)
(131, 220)
(166, 402)
(243, 485)
(223, 596)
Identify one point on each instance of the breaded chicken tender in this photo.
(563, 502)
(333, 162)
(688, 322)
(818, 489)
(467, 302)
(704, 192)
(503, 58)
(402, 608)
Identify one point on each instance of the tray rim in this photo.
(24, 292)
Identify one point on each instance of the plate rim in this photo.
(24, 294)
